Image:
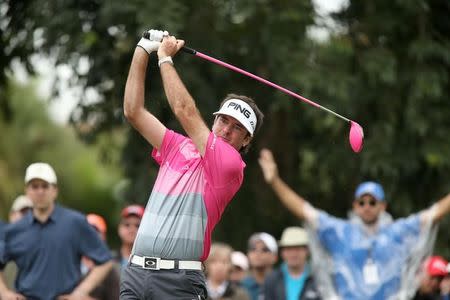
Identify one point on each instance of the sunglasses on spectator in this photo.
(363, 203)
(263, 250)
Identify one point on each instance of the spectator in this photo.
(292, 280)
(197, 178)
(130, 219)
(20, 207)
(433, 272)
(445, 285)
(218, 269)
(362, 258)
(262, 255)
(108, 289)
(239, 262)
(47, 245)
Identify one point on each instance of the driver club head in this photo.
(356, 136)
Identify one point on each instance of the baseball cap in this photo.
(293, 236)
(268, 240)
(372, 188)
(241, 111)
(239, 259)
(134, 209)
(41, 171)
(20, 203)
(436, 266)
(98, 222)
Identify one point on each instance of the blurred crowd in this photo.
(269, 268)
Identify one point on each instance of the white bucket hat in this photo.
(293, 236)
(241, 111)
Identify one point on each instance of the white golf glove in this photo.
(152, 39)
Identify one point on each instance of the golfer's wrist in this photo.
(166, 59)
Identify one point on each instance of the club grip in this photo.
(146, 35)
(188, 50)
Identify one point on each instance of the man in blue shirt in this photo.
(368, 255)
(47, 245)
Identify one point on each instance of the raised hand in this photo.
(268, 165)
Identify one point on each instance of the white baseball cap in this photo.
(241, 111)
(41, 171)
(268, 240)
(239, 259)
(20, 203)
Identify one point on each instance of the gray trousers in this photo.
(139, 283)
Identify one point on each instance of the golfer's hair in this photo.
(258, 113)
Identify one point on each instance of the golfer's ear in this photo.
(247, 141)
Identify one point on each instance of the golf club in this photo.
(356, 134)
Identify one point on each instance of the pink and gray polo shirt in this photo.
(188, 198)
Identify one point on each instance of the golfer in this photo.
(198, 176)
(368, 256)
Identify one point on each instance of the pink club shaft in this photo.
(356, 135)
(269, 83)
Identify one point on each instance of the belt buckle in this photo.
(151, 263)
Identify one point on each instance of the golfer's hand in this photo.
(169, 46)
(151, 40)
(268, 165)
(10, 295)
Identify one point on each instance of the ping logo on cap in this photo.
(240, 108)
(241, 111)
